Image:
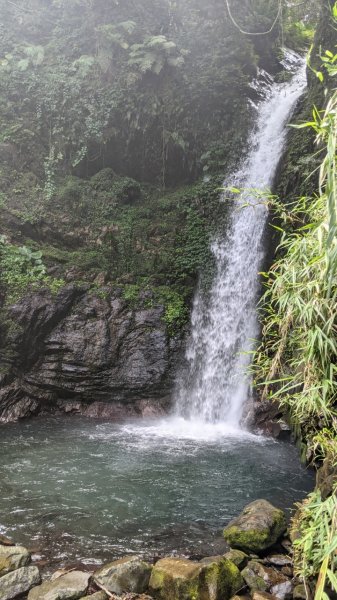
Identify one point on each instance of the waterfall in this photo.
(225, 325)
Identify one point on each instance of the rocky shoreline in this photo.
(257, 566)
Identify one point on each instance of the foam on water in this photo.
(195, 430)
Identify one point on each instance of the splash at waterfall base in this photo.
(257, 566)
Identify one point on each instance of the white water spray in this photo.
(225, 326)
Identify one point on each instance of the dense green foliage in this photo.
(103, 105)
(141, 87)
(21, 270)
(296, 362)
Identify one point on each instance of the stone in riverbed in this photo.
(299, 592)
(97, 596)
(5, 541)
(260, 578)
(13, 557)
(129, 574)
(238, 557)
(279, 560)
(257, 528)
(18, 582)
(263, 596)
(71, 586)
(181, 579)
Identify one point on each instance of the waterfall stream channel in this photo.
(88, 491)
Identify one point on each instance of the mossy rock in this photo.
(103, 180)
(181, 579)
(259, 527)
(261, 578)
(123, 190)
(237, 557)
(71, 191)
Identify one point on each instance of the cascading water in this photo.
(225, 325)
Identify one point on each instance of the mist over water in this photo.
(81, 490)
(224, 325)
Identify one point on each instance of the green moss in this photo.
(223, 579)
(254, 581)
(237, 557)
(252, 540)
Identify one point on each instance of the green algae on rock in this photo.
(181, 579)
(257, 528)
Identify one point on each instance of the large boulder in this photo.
(84, 344)
(71, 586)
(257, 528)
(260, 578)
(130, 574)
(13, 557)
(18, 582)
(181, 579)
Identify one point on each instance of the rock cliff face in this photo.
(86, 351)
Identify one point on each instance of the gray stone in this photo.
(299, 592)
(282, 590)
(18, 582)
(13, 557)
(257, 528)
(279, 560)
(260, 578)
(129, 574)
(71, 586)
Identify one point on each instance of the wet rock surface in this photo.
(86, 352)
(130, 574)
(257, 528)
(233, 575)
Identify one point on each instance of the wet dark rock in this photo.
(64, 352)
